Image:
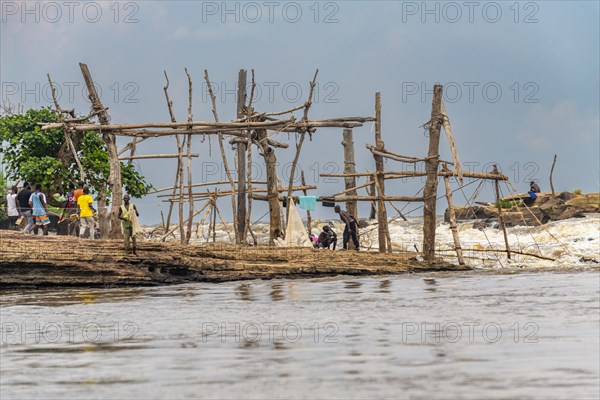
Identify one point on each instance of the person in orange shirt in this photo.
(78, 192)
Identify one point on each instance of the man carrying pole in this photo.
(350, 229)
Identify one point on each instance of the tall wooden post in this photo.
(349, 168)
(551, 172)
(108, 137)
(432, 164)
(500, 216)
(381, 211)
(452, 214)
(272, 187)
(241, 162)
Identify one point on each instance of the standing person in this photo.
(70, 210)
(128, 214)
(40, 208)
(79, 191)
(24, 208)
(350, 230)
(327, 238)
(86, 214)
(11, 207)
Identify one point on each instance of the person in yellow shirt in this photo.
(86, 213)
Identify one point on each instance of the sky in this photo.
(521, 80)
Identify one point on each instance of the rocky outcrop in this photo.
(546, 208)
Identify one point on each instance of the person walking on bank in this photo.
(86, 214)
(40, 209)
(24, 207)
(128, 214)
(12, 211)
(350, 231)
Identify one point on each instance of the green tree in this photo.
(44, 157)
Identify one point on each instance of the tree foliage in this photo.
(44, 157)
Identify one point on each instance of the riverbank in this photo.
(28, 261)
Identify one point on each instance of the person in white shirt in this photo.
(11, 207)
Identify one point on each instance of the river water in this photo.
(492, 333)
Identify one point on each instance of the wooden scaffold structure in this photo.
(250, 128)
(253, 128)
(376, 180)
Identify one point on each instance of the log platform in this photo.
(28, 261)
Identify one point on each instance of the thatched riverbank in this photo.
(58, 261)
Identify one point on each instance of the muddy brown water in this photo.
(437, 335)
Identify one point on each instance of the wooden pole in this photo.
(180, 166)
(371, 192)
(301, 141)
(500, 216)
(450, 136)
(206, 204)
(188, 234)
(249, 110)
(275, 226)
(552, 171)
(381, 199)
(430, 191)
(349, 168)
(241, 162)
(379, 181)
(214, 220)
(308, 216)
(66, 131)
(154, 156)
(412, 174)
(223, 155)
(452, 214)
(178, 141)
(108, 137)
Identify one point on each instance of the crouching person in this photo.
(128, 214)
